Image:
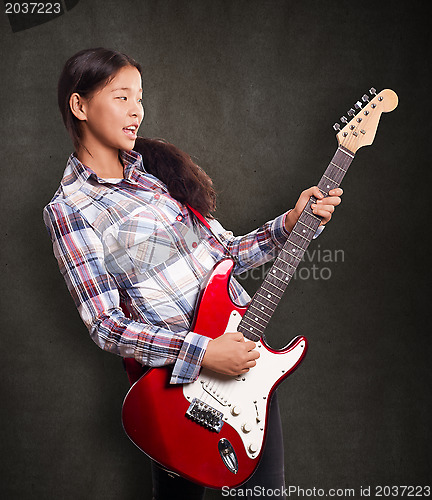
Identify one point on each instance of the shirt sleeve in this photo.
(80, 256)
(259, 246)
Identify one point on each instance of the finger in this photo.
(250, 345)
(336, 192)
(254, 354)
(322, 209)
(314, 191)
(236, 336)
(325, 217)
(330, 200)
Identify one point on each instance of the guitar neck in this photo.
(267, 297)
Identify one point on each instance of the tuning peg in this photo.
(351, 112)
(358, 105)
(343, 119)
(336, 126)
(372, 91)
(365, 98)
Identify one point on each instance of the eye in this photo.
(122, 97)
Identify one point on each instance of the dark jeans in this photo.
(269, 474)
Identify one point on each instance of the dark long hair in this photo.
(185, 180)
(85, 72)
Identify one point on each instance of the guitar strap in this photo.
(199, 216)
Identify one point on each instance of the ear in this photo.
(77, 105)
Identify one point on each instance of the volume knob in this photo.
(246, 428)
(236, 410)
(253, 448)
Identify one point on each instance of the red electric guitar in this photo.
(212, 431)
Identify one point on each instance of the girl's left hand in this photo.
(324, 207)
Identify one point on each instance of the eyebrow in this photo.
(124, 88)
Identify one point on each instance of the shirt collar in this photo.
(76, 173)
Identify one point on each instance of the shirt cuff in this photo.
(279, 233)
(187, 367)
(318, 231)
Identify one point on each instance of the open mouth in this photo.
(131, 131)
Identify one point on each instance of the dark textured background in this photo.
(250, 89)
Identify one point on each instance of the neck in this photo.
(105, 162)
(267, 297)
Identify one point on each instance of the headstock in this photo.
(361, 129)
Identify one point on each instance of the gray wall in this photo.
(251, 89)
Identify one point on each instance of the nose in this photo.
(136, 110)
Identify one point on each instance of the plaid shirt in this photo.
(134, 259)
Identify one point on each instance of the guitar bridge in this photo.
(205, 415)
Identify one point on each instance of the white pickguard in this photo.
(243, 400)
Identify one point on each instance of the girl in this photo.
(133, 253)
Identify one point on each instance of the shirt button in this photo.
(179, 217)
(156, 196)
(194, 244)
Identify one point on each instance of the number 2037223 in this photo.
(32, 8)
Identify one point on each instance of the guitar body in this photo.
(211, 431)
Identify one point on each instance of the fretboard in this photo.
(267, 297)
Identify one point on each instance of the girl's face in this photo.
(114, 113)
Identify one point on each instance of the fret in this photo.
(346, 152)
(280, 269)
(301, 244)
(283, 280)
(257, 326)
(292, 255)
(330, 180)
(267, 299)
(287, 258)
(343, 161)
(301, 236)
(272, 284)
(328, 184)
(254, 323)
(263, 301)
(311, 223)
(259, 311)
(337, 166)
(280, 280)
(297, 246)
(336, 175)
(314, 216)
(270, 287)
(302, 221)
(304, 224)
(284, 273)
(252, 326)
(246, 333)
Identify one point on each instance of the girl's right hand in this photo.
(230, 354)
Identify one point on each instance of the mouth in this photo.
(131, 131)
